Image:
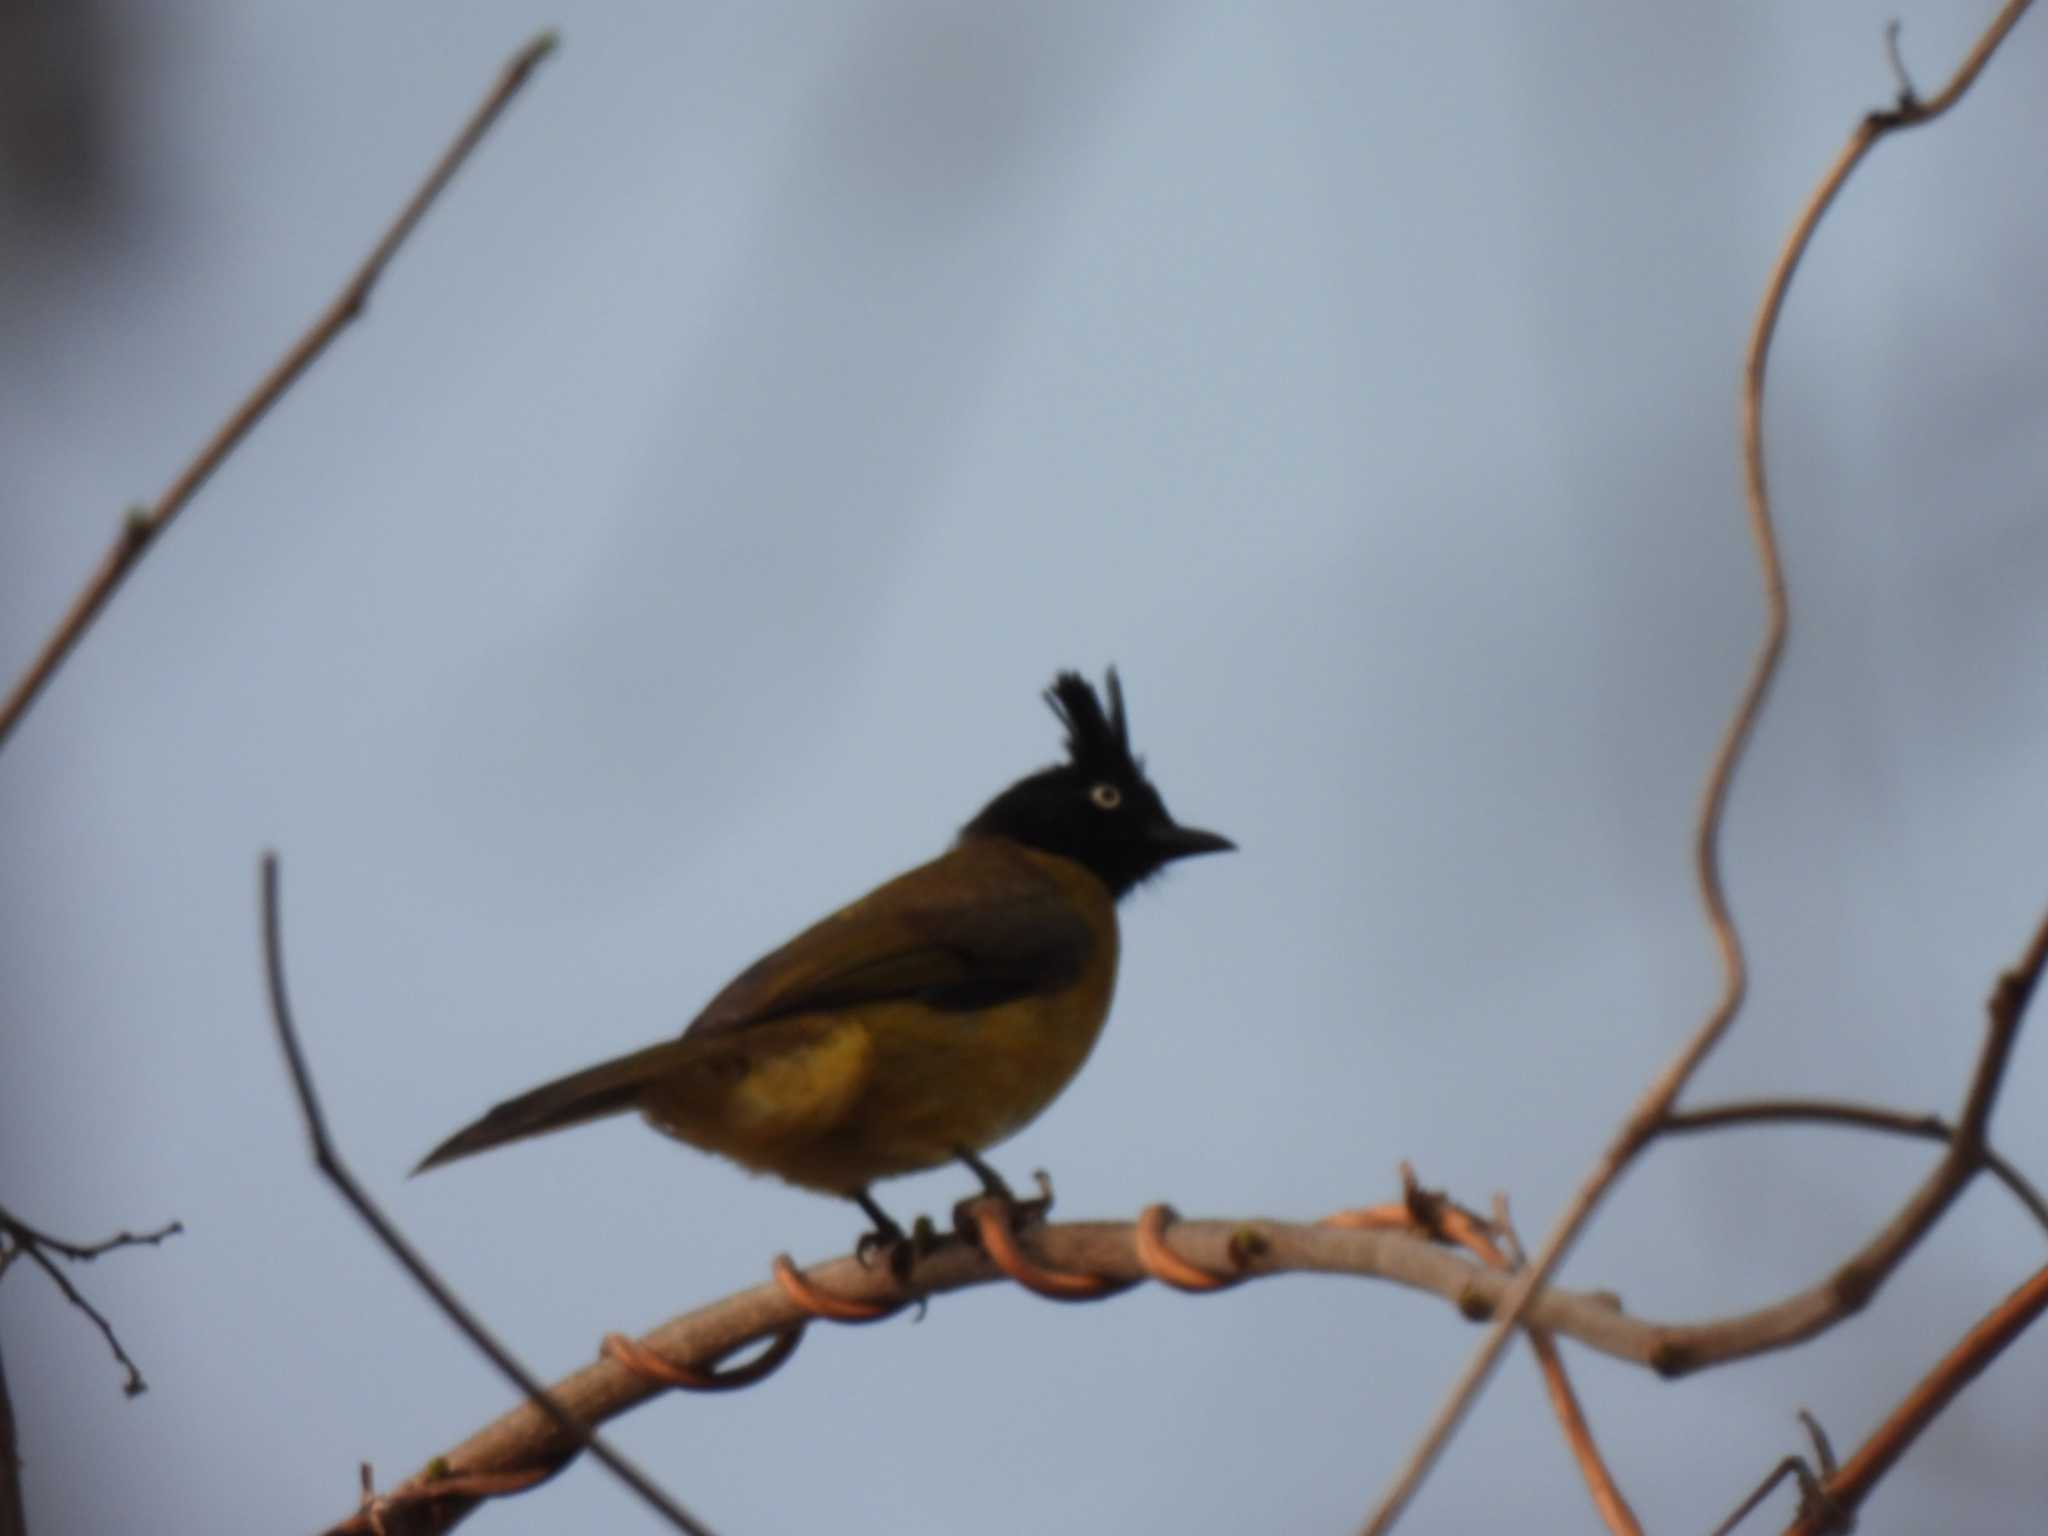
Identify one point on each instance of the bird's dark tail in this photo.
(609, 1088)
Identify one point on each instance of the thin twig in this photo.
(1849, 1486)
(134, 1386)
(23, 1241)
(1606, 1493)
(144, 524)
(1892, 51)
(1869, 1117)
(28, 1236)
(329, 1161)
(1640, 1125)
(1812, 1495)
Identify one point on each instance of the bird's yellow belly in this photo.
(836, 1101)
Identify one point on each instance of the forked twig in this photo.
(1811, 1494)
(574, 1433)
(1869, 1117)
(1847, 1487)
(1642, 1120)
(144, 524)
(19, 1240)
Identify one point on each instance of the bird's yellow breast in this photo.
(837, 1098)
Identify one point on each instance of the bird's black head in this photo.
(1097, 808)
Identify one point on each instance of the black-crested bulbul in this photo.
(930, 1019)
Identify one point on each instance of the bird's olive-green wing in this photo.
(979, 926)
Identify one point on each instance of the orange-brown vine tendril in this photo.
(1640, 1126)
(1166, 1266)
(823, 1304)
(999, 1242)
(642, 1361)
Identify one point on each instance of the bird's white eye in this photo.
(1107, 796)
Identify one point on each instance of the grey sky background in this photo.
(678, 547)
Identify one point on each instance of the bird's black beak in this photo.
(1177, 842)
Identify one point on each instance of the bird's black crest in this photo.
(1097, 808)
(1098, 743)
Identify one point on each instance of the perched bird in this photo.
(932, 1018)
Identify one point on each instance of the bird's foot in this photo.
(898, 1250)
(1016, 1214)
(887, 1241)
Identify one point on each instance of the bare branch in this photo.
(564, 1416)
(1378, 1242)
(1641, 1123)
(13, 1512)
(525, 1437)
(143, 524)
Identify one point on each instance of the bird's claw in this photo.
(892, 1247)
(1016, 1214)
(898, 1250)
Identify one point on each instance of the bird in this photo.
(923, 1023)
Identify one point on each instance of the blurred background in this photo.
(679, 546)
